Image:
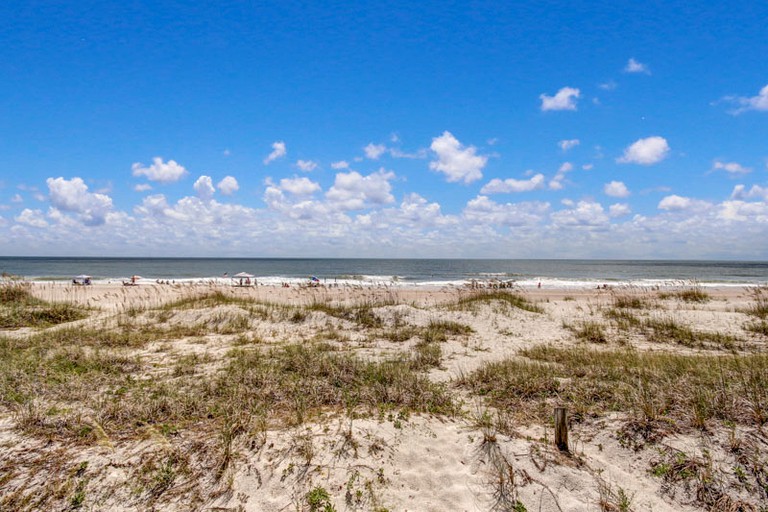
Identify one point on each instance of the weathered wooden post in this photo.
(561, 428)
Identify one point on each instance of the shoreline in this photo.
(116, 295)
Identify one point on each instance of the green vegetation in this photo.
(506, 298)
(18, 308)
(689, 390)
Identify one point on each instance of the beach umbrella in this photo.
(82, 276)
(135, 278)
(243, 274)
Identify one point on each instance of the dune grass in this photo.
(18, 308)
(689, 391)
(504, 297)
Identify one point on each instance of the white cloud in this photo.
(73, 196)
(758, 103)
(497, 186)
(33, 218)
(455, 161)
(159, 171)
(648, 151)
(374, 151)
(556, 183)
(730, 167)
(204, 187)
(483, 211)
(756, 192)
(675, 203)
(17, 199)
(616, 189)
(587, 167)
(142, 187)
(341, 164)
(619, 210)
(299, 186)
(306, 165)
(567, 144)
(634, 66)
(608, 86)
(565, 99)
(352, 191)
(740, 211)
(582, 214)
(228, 185)
(278, 151)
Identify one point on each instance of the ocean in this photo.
(409, 272)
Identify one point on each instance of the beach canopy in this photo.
(243, 274)
(82, 276)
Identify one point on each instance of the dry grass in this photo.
(18, 308)
(501, 297)
(689, 391)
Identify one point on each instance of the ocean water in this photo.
(410, 272)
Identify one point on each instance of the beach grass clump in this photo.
(361, 314)
(589, 331)
(759, 306)
(623, 319)
(305, 378)
(668, 330)
(439, 330)
(508, 298)
(680, 390)
(630, 302)
(426, 355)
(206, 300)
(760, 327)
(695, 294)
(19, 308)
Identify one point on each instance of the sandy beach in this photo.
(210, 397)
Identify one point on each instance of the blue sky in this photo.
(403, 129)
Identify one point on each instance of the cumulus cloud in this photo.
(306, 165)
(457, 162)
(73, 196)
(634, 66)
(740, 211)
(204, 187)
(758, 103)
(299, 186)
(582, 214)
(567, 144)
(648, 151)
(675, 203)
(730, 167)
(352, 191)
(278, 151)
(565, 99)
(482, 210)
(341, 164)
(162, 172)
(619, 210)
(756, 192)
(374, 151)
(142, 187)
(556, 183)
(33, 218)
(616, 189)
(497, 186)
(228, 185)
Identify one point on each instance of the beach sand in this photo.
(390, 459)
